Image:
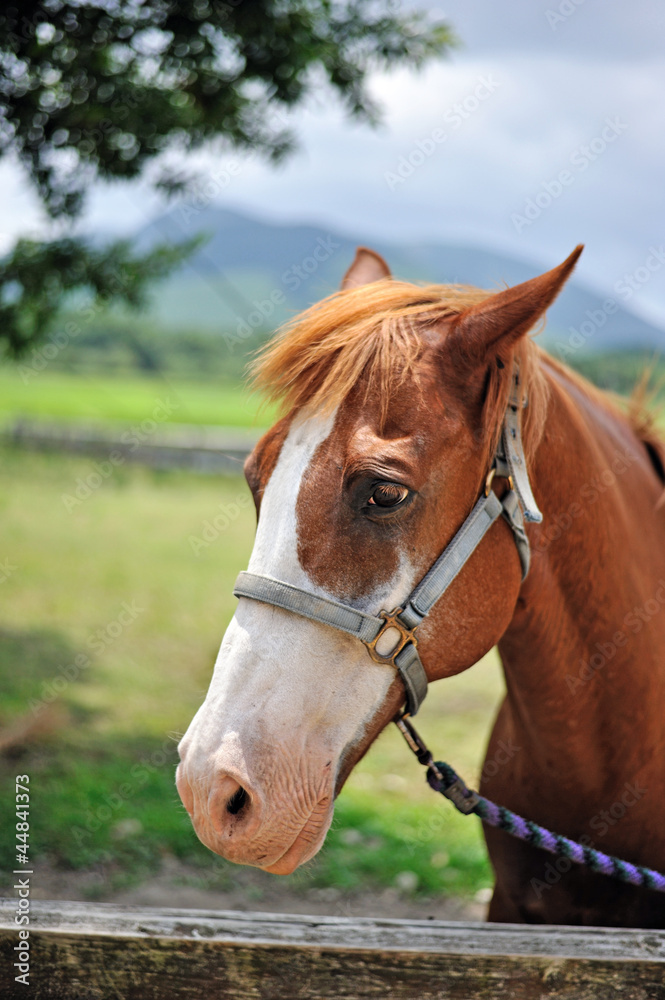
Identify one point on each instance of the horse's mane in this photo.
(320, 355)
(374, 332)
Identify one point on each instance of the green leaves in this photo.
(94, 89)
(36, 278)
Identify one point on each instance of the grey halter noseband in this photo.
(394, 632)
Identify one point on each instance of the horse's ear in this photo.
(495, 325)
(368, 266)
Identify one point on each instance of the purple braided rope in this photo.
(505, 819)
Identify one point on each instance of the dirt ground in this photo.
(178, 884)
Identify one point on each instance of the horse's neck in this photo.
(583, 654)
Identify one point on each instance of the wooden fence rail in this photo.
(83, 951)
(182, 446)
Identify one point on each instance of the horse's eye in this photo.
(388, 495)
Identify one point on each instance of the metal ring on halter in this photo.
(489, 479)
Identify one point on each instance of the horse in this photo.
(394, 396)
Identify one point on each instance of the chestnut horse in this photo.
(394, 399)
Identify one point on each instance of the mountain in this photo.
(254, 274)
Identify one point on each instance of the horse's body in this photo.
(584, 661)
(359, 488)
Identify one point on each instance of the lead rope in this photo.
(444, 779)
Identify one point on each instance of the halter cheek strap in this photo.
(510, 453)
(390, 637)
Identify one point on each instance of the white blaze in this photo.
(282, 682)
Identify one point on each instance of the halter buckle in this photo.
(406, 635)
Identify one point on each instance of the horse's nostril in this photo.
(237, 801)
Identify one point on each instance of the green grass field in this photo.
(127, 398)
(132, 397)
(109, 627)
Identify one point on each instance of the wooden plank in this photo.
(83, 951)
(199, 448)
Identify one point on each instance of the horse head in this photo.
(395, 396)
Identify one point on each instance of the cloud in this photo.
(556, 86)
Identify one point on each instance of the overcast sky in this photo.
(547, 128)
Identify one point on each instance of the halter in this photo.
(400, 650)
(390, 636)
